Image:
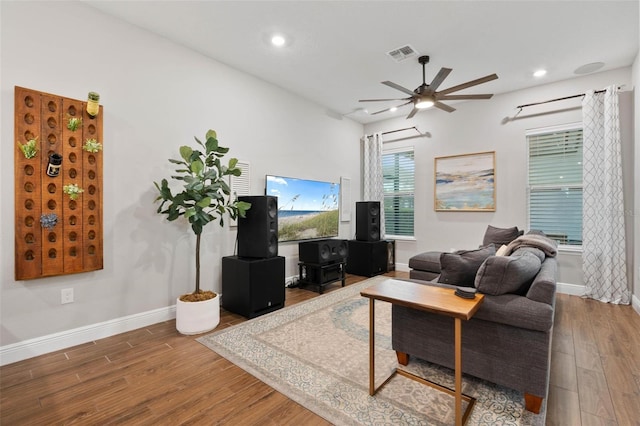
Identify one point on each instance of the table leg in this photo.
(372, 347)
(458, 370)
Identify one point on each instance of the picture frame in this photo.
(465, 183)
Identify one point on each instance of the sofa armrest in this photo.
(427, 261)
(543, 287)
(516, 311)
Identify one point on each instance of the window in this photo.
(398, 170)
(555, 183)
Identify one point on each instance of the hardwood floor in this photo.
(155, 376)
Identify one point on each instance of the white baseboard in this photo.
(635, 302)
(53, 342)
(402, 267)
(572, 289)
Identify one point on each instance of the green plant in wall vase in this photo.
(72, 190)
(74, 123)
(29, 149)
(92, 145)
(204, 197)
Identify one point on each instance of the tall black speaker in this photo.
(368, 221)
(258, 231)
(322, 251)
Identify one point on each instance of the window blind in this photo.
(398, 169)
(555, 184)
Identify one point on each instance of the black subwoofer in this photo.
(322, 251)
(252, 287)
(258, 231)
(368, 258)
(368, 221)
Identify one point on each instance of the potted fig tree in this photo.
(204, 197)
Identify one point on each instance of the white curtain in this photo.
(603, 237)
(372, 179)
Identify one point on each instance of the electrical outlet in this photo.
(66, 296)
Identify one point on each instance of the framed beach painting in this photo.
(466, 182)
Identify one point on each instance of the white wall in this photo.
(478, 126)
(156, 96)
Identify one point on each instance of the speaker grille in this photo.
(322, 251)
(272, 208)
(368, 221)
(258, 231)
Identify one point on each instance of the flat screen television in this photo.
(307, 209)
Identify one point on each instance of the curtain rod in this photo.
(399, 130)
(558, 99)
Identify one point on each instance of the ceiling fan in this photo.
(426, 95)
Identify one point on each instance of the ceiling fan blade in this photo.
(439, 78)
(444, 107)
(389, 109)
(398, 87)
(412, 113)
(382, 100)
(462, 97)
(468, 84)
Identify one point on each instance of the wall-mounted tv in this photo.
(307, 209)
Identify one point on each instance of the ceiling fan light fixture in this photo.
(424, 102)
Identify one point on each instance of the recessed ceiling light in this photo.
(393, 109)
(278, 40)
(589, 68)
(539, 73)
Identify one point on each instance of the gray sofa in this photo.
(508, 341)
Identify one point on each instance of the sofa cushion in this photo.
(460, 268)
(507, 274)
(500, 236)
(427, 261)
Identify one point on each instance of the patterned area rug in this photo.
(317, 353)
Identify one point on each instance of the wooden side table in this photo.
(425, 298)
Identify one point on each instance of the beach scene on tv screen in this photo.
(307, 209)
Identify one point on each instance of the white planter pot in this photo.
(197, 317)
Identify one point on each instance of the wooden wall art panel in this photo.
(74, 244)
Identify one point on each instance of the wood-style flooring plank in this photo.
(563, 407)
(563, 371)
(594, 394)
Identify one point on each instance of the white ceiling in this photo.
(337, 49)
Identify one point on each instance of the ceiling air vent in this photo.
(402, 53)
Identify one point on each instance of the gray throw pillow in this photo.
(507, 274)
(500, 236)
(460, 268)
